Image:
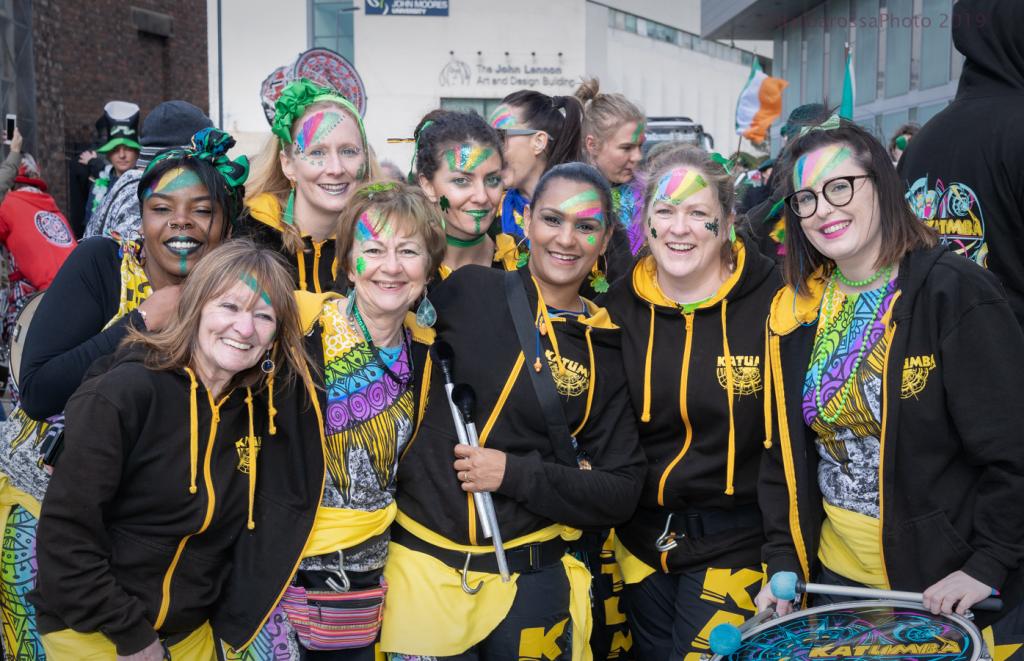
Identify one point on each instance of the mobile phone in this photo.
(9, 125)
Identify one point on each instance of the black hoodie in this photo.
(952, 464)
(137, 526)
(964, 170)
(702, 434)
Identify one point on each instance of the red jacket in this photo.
(36, 234)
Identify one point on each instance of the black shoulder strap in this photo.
(562, 443)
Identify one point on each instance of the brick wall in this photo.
(89, 53)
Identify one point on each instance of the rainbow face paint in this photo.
(174, 179)
(316, 127)
(366, 226)
(360, 265)
(638, 133)
(502, 118)
(467, 157)
(584, 205)
(679, 184)
(811, 169)
(250, 281)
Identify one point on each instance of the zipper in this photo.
(211, 503)
(316, 264)
(683, 379)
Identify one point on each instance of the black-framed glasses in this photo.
(838, 192)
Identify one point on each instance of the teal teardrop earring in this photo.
(289, 207)
(426, 315)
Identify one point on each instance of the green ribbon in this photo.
(212, 145)
(301, 94)
(829, 124)
(370, 190)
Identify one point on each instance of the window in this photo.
(891, 122)
(814, 36)
(936, 42)
(924, 113)
(482, 107)
(794, 57)
(8, 100)
(332, 27)
(838, 19)
(866, 52)
(898, 36)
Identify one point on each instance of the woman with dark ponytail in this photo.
(539, 132)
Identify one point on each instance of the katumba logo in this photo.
(570, 381)
(896, 651)
(915, 375)
(746, 374)
(242, 448)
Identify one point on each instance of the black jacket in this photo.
(952, 464)
(964, 170)
(676, 369)
(125, 547)
(314, 269)
(537, 491)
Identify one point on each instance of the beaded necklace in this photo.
(376, 353)
(844, 392)
(838, 273)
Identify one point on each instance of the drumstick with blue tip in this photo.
(786, 586)
(726, 638)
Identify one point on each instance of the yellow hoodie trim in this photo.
(266, 208)
(506, 252)
(790, 310)
(645, 281)
(337, 528)
(310, 306)
(418, 582)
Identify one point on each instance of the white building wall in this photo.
(401, 61)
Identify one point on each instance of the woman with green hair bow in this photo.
(316, 157)
(107, 287)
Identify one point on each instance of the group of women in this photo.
(261, 449)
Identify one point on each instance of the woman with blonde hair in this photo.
(309, 168)
(692, 319)
(613, 138)
(138, 524)
(329, 479)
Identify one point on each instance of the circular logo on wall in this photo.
(53, 229)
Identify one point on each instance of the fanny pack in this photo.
(325, 619)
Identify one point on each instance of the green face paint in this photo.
(250, 281)
(712, 227)
(638, 133)
(445, 204)
(183, 264)
(174, 179)
(592, 240)
(478, 216)
(360, 265)
(654, 233)
(467, 157)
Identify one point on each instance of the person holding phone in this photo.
(9, 168)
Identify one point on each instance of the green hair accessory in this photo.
(299, 95)
(726, 163)
(829, 124)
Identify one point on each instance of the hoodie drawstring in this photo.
(543, 322)
(271, 411)
(193, 430)
(730, 465)
(250, 523)
(767, 388)
(300, 261)
(646, 415)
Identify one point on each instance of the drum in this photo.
(878, 630)
(20, 332)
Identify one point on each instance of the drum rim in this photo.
(969, 626)
(10, 344)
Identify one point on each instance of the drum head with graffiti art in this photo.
(271, 88)
(53, 229)
(861, 631)
(327, 68)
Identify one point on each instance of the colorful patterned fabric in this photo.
(849, 447)
(18, 578)
(512, 204)
(270, 644)
(628, 207)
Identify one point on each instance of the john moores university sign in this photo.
(458, 73)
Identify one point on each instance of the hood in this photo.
(751, 270)
(990, 34)
(266, 209)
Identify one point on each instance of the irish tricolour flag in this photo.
(759, 105)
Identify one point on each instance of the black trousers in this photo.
(672, 615)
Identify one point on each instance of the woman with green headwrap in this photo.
(105, 288)
(313, 162)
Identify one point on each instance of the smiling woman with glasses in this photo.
(887, 355)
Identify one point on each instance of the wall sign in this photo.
(458, 73)
(407, 7)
